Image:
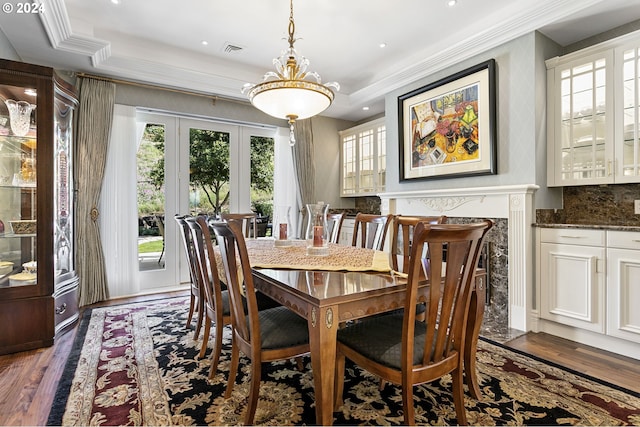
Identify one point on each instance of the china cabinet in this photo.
(363, 159)
(593, 105)
(38, 284)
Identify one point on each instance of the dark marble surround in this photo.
(495, 324)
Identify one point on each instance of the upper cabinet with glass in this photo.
(364, 160)
(593, 114)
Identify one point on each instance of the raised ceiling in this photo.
(160, 41)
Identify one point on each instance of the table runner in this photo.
(264, 254)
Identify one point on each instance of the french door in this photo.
(185, 154)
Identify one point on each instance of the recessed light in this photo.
(382, 45)
(115, 1)
(204, 43)
(451, 3)
(365, 108)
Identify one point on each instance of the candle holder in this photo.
(282, 229)
(317, 230)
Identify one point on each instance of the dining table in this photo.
(347, 284)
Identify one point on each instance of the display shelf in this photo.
(36, 184)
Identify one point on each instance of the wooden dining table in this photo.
(349, 284)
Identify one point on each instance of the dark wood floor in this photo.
(28, 380)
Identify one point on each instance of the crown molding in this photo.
(525, 22)
(57, 26)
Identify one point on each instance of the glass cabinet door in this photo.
(63, 190)
(628, 122)
(584, 103)
(18, 177)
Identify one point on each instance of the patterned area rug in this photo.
(136, 365)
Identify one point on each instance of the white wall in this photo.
(6, 50)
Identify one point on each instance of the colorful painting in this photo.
(447, 128)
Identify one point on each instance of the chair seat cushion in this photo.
(379, 338)
(281, 327)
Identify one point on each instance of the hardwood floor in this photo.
(28, 380)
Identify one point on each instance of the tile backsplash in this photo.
(595, 205)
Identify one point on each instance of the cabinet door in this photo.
(346, 233)
(572, 285)
(582, 121)
(623, 293)
(628, 114)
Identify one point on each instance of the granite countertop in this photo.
(590, 226)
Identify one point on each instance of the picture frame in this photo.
(448, 128)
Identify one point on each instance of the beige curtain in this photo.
(304, 166)
(95, 114)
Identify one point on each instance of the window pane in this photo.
(151, 200)
(262, 158)
(208, 172)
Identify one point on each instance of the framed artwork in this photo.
(448, 128)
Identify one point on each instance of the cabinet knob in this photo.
(61, 309)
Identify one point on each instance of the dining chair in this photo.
(370, 231)
(196, 297)
(408, 352)
(263, 336)
(217, 309)
(248, 221)
(160, 223)
(401, 236)
(334, 222)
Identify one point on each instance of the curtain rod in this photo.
(214, 98)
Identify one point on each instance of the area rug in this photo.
(136, 365)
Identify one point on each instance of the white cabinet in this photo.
(623, 286)
(363, 159)
(593, 109)
(572, 272)
(588, 287)
(346, 232)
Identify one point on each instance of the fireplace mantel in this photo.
(513, 202)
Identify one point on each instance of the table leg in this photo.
(323, 327)
(474, 322)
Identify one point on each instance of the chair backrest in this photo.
(448, 304)
(207, 269)
(160, 222)
(248, 223)
(187, 243)
(233, 249)
(334, 222)
(402, 232)
(370, 231)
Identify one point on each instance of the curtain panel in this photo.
(304, 166)
(95, 114)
